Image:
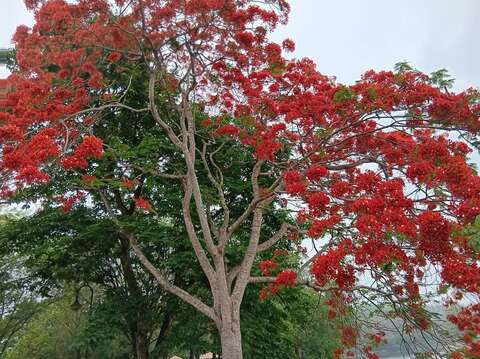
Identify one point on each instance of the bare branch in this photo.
(248, 259)
(197, 247)
(160, 278)
(157, 173)
(257, 198)
(156, 115)
(105, 107)
(219, 187)
(275, 238)
(179, 292)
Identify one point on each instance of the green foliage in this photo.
(6, 56)
(48, 335)
(17, 305)
(401, 67)
(272, 333)
(316, 336)
(473, 233)
(442, 79)
(293, 324)
(56, 332)
(343, 94)
(103, 328)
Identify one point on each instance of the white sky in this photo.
(347, 37)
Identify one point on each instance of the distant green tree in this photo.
(17, 305)
(56, 332)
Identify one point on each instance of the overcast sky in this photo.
(347, 37)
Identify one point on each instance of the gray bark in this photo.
(231, 340)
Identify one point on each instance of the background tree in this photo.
(58, 331)
(78, 248)
(17, 303)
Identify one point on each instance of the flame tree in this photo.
(376, 173)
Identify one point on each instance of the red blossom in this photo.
(73, 162)
(349, 336)
(329, 267)
(316, 172)
(128, 183)
(319, 226)
(292, 177)
(337, 354)
(207, 122)
(31, 174)
(266, 149)
(245, 38)
(288, 45)
(296, 188)
(264, 294)
(286, 278)
(468, 322)
(369, 353)
(227, 130)
(67, 203)
(88, 179)
(267, 266)
(114, 56)
(318, 201)
(142, 203)
(91, 147)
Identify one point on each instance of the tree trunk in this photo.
(231, 340)
(140, 331)
(164, 331)
(142, 349)
(141, 341)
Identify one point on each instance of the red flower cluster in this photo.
(286, 278)
(318, 201)
(128, 184)
(294, 183)
(316, 172)
(468, 322)
(114, 56)
(434, 236)
(143, 204)
(319, 226)
(461, 274)
(329, 266)
(91, 147)
(88, 179)
(227, 130)
(67, 203)
(349, 336)
(267, 266)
